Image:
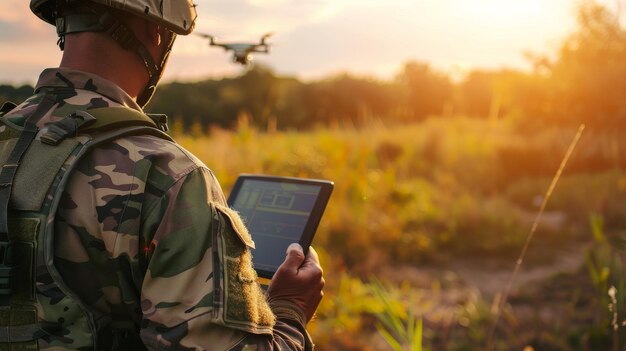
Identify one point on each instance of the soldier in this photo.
(134, 246)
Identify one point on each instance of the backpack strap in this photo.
(108, 124)
(100, 120)
(108, 118)
(7, 178)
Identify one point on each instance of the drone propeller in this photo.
(206, 36)
(264, 38)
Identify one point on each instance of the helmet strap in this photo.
(155, 77)
(121, 34)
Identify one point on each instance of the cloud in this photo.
(317, 37)
(240, 19)
(377, 36)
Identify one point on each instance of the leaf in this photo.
(389, 338)
(597, 227)
(416, 342)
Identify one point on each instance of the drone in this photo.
(242, 52)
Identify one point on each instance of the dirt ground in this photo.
(551, 293)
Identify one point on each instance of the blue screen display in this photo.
(276, 215)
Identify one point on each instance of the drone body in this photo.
(242, 52)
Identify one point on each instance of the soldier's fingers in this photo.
(312, 261)
(311, 267)
(295, 258)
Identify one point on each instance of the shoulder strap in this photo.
(100, 120)
(9, 169)
(7, 177)
(97, 321)
(114, 117)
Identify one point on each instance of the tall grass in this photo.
(606, 269)
(440, 191)
(406, 191)
(402, 332)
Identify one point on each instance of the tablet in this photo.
(278, 211)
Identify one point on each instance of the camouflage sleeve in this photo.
(200, 290)
(289, 332)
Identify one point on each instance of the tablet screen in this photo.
(277, 213)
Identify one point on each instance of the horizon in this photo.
(324, 38)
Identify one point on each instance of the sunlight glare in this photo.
(504, 11)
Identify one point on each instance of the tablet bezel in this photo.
(326, 188)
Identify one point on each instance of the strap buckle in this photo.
(67, 127)
(160, 120)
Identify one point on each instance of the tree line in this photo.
(584, 82)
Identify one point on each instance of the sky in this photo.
(314, 39)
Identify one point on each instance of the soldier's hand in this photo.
(299, 280)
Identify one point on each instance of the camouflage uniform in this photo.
(143, 235)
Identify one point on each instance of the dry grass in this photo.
(435, 192)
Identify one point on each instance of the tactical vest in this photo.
(33, 176)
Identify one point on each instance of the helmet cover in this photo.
(179, 16)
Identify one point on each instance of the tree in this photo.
(15, 94)
(345, 99)
(477, 93)
(427, 91)
(589, 76)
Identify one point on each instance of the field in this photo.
(427, 221)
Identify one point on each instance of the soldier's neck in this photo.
(96, 53)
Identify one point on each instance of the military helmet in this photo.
(179, 16)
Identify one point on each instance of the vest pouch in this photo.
(19, 328)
